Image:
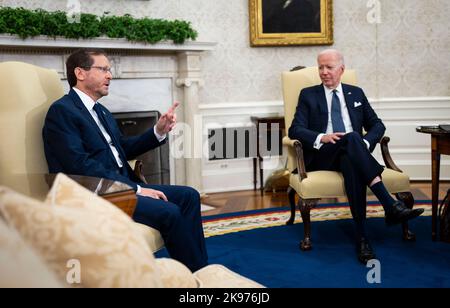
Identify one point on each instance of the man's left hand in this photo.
(167, 121)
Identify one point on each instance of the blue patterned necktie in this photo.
(336, 115)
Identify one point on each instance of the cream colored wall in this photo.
(406, 55)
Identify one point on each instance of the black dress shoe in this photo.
(365, 251)
(399, 213)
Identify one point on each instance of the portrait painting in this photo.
(291, 22)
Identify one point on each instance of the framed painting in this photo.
(291, 22)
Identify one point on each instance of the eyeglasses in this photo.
(104, 69)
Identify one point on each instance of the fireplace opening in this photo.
(156, 167)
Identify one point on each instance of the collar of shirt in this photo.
(329, 91)
(86, 99)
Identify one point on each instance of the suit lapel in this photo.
(86, 114)
(323, 106)
(349, 101)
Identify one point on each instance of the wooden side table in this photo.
(263, 124)
(120, 194)
(440, 144)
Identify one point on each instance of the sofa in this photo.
(76, 239)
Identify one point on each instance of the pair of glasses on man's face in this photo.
(104, 69)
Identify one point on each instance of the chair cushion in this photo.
(152, 236)
(20, 265)
(175, 274)
(218, 276)
(84, 227)
(330, 184)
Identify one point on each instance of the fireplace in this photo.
(145, 77)
(156, 167)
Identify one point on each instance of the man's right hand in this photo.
(152, 193)
(331, 137)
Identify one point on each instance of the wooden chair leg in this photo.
(305, 207)
(291, 196)
(408, 199)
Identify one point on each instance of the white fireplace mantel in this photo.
(44, 42)
(170, 72)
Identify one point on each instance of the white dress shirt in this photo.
(344, 113)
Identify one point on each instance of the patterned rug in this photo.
(242, 221)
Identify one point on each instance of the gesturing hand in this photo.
(167, 121)
(152, 193)
(331, 137)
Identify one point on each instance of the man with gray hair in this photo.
(329, 121)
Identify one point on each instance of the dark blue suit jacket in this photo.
(74, 144)
(311, 117)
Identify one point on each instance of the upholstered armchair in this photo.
(26, 92)
(313, 186)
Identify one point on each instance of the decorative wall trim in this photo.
(410, 150)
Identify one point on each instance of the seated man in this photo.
(81, 137)
(329, 122)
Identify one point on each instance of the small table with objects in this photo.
(263, 125)
(440, 144)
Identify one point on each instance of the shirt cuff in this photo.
(138, 191)
(158, 136)
(367, 144)
(318, 144)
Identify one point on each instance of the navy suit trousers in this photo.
(350, 156)
(179, 222)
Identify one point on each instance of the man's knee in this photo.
(353, 136)
(191, 194)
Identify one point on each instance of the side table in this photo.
(263, 124)
(440, 144)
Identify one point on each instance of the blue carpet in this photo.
(272, 257)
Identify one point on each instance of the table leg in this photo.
(261, 176)
(435, 166)
(254, 173)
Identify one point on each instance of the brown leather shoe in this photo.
(399, 213)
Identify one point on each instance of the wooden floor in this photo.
(230, 202)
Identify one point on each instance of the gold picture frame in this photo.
(291, 22)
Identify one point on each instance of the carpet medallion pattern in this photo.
(214, 226)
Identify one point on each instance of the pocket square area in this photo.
(357, 104)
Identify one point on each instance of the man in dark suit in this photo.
(82, 137)
(329, 121)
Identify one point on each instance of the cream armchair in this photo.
(26, 92)
(312, 186)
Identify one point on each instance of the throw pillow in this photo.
(97, 240)
(20, 266)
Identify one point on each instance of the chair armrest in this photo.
(288, 141)
(388, 161)
(138, 171)
(297, 145)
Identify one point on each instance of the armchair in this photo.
(312, 186)
(26, 92)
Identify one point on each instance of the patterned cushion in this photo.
(86, 228)
(175, 274)
(218, 276)
(20, 266)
